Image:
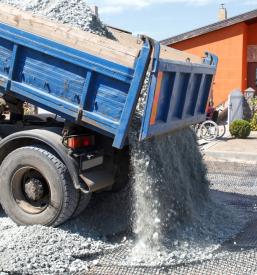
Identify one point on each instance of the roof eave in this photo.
(212, 27)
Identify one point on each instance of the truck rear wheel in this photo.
(83, 202)
(36, 188)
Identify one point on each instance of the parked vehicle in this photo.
(51, 165)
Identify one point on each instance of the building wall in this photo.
(252, 34)
(230, 45)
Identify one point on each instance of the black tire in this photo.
(84, 199)
(31, 167)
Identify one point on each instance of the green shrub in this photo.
(254, 123)
(240, 128)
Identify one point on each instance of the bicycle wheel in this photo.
(209, 130)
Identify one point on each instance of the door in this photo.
(235, 103)
(252, 75)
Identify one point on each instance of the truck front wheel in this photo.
(35, 188)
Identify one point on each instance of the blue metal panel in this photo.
(68, 54)
(164, 98)
(51, 75)
(107, 97)
(192, 96)
(86, 89)
(6, 48)
(100, 94)
(73, 84)
(133, 94)
(177, 96)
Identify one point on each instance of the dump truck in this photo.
(51, 164)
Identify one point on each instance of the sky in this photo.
(161, 19)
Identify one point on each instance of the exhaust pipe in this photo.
(97, 179)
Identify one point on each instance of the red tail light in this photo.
(76, 142)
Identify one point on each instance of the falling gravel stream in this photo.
(174, 217)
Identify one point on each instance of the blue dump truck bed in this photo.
(100, 94)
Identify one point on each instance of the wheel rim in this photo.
(209, 131)
(30, 190)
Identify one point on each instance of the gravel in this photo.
(69, 249)
(240, 177)
(105, 227)
(72, 12)
(174, 219)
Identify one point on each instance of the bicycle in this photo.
(209, 130)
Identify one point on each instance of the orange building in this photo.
(234, 41)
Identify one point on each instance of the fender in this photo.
(47, 137)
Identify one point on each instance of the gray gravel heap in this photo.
(79, 244)
(175, 219)
(42, 250)
(73, 248)
(73, 12)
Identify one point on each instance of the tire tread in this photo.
(71, 195)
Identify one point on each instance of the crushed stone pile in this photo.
(72, 12)
(175, 219)
(80, 244)
(42, 250)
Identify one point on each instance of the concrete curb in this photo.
(231, 156)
